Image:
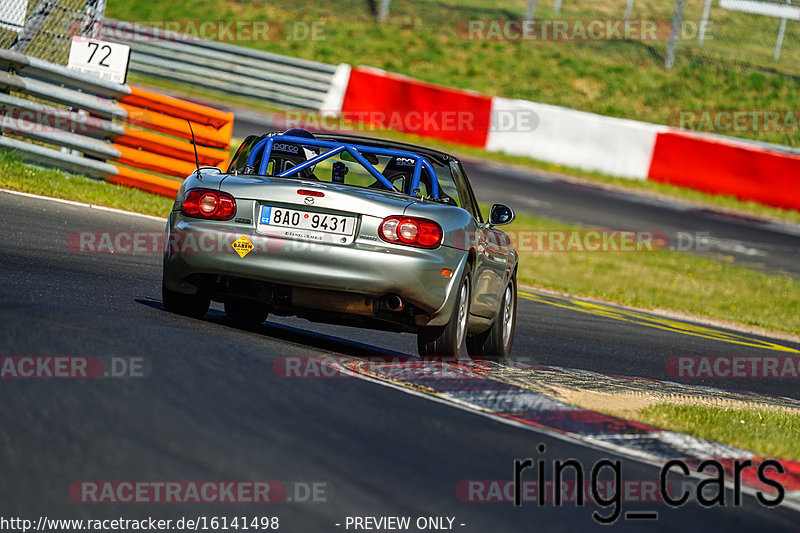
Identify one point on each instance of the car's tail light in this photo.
(205, 203)
(412, 231)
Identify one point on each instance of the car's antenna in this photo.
(194, 145)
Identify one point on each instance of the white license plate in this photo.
(305, 224)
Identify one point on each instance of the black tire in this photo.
(495, 343)
(247, 312)
(191, 305)
(448, 340)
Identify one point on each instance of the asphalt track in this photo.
(746, 241)
(212, 408)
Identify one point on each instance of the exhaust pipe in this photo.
(393, 303)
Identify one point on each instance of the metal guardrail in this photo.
(59, 117)
(32, 67)
(223, 67)
(57, 114)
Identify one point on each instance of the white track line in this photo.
(81, 204)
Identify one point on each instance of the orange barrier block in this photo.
(175, 148)
(175, 107)
(177, 127)
(146, 182)
(166, 148)
(154, 162)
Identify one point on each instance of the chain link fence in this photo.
(760, 34)
(44, 28)
(727, 34)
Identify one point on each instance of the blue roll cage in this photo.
(355, 150)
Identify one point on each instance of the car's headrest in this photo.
(286, 155)
(398, 167)
(399, 171)
(399, 164)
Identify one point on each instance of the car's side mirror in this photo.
(501, 215)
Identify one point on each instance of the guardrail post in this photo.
(32, 26)
(629, 9)
(781, 33)
(701, 34)
(383, 10)
(531, 11)
(93, 22)
(677, 20)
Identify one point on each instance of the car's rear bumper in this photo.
(363, 267)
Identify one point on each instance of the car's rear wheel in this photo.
(495, 343)
(448, 340)
(191, 305)
(246, 311)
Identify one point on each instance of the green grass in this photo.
(771, 433)
(422, 38)
(17, 175)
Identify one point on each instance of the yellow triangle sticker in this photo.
(242, 246)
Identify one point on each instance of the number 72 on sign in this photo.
(108, 61)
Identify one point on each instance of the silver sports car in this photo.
(345, 230)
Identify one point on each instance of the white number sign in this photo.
(108, 61)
